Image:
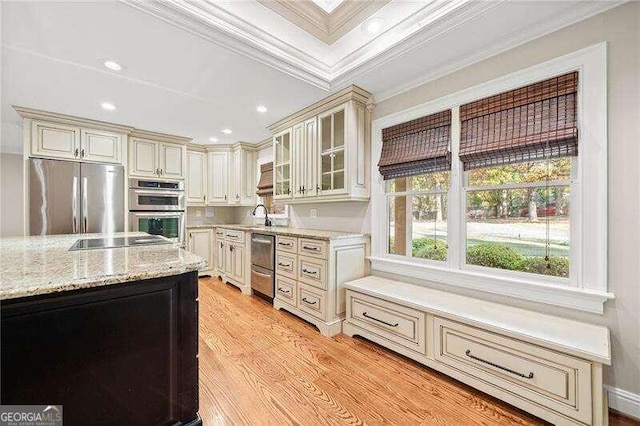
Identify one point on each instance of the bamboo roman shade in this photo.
(416, 147)
(265, 185)
(527, 124)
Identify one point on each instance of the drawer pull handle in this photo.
(364, 314)
(304, 299)
(468, 353)
(286, 265)
(306, 271)
(285, 244)
(282, 290)
(311, 248)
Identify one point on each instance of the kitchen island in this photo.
(109, 334)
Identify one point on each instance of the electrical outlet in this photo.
(313, 213)
(198, 213)
(208, 211)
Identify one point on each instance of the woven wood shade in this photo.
(265, 185)
(416, 147)
(527, 124)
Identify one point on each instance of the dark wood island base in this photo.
(115, 354)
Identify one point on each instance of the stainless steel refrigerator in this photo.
(68, 197)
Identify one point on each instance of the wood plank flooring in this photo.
(262, 366)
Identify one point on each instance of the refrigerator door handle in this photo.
(85, 205)
(74, 204)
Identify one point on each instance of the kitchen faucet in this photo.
(267, 222)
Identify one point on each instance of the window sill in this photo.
(564, 296)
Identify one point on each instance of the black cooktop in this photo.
(114, 242)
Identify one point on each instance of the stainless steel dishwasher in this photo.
(263, 278)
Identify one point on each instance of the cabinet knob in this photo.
(75, 153)
(82, 153)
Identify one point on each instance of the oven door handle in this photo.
(175, 193)
(158, 214)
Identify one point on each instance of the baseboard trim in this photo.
(623, 401)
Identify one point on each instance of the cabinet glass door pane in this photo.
(326, 163)
(338, 160)
(326, 181)
(325, 130)
(279, 150)
(338, 180)
(338, 129)
(286, 147)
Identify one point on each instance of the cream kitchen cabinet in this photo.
(219, 251)
(235, 259)
(244, 183)
(201, 243)
(310, 274)
(149, 158)
(197, 178)
(63, 141)
(322, 152)
(218, 177)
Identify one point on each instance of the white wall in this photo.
(349, 216)
(620, 27)
(11, 195)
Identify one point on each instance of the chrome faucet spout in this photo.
(267, 221)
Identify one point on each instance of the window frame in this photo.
(587, 287)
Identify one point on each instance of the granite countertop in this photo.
(316, 234)
(37, 265)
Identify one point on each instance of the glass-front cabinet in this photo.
(332, 152)
(321, 153)
(282, 164)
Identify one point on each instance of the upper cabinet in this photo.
(56, 140)
(197, 178)
(321, 152)
(232, 177)
(157, 155)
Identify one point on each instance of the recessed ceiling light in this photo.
(261, 108)
(213, 139)
(113, 65)
(373, 25)
(227, 131)
(108, 106)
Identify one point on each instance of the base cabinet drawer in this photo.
(396, 323)
(287, 264)
(543, 376)
(312, 301)
(288, 244)
(313, 248)
(235, 236)
(286, 290)
(312, 271)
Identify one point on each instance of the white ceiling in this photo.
(195, 74)
(328, 5)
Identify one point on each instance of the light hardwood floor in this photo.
(262, 366)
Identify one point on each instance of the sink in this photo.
(114, 242)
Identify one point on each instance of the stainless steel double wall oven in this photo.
(157, 206)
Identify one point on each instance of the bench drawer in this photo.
(287, 264)
(287, 244)
(286, 290)
(312, 301)
(543, 376)
(313, 248)
(393, 322)
(312, 271)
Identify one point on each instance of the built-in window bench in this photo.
(546, 365)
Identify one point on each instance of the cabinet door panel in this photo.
(100, 146)
(171, 161)
(196, 177)
(201, 244)
(218, 175)
(54, 140)
(238, 263)
(144, 158)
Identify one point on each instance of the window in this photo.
(518, 206)
(265, 192)
(517, 217)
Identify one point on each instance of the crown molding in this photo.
(327, 27)
(264, 144)
(161, 137)
(36, 114)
